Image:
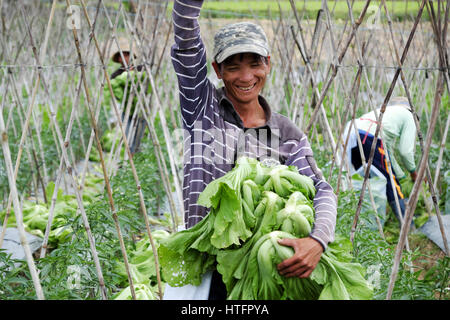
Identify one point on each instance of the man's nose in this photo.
(246, 74)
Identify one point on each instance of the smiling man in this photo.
(244, 76)
(223, 123)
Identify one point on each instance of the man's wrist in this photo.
(319, 242)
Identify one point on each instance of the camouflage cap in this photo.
(238, 38)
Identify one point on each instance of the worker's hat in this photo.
(400, 101)
(240, 37)
(123, 45)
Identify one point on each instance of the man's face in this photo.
(244, 76)
(126, 55)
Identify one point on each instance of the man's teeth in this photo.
(246, 88)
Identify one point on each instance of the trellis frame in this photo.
(439, 28)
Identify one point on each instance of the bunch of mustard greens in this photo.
(251, 207)
(36, 214)
(142, 268)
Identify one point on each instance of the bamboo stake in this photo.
(334, 67)
(286, 59)
(336, 158)
(67, 161)
(382, 110)
(356, 83)
(112, 158)
(301, 46)
(361, 55)
(100, 151)
(410, 207)
(416, 121)
(155, 141)
(159, 156)
(59, 176)
(158, 150)
(33, 150)
(19, 155)
(440, 46)
(17, 208)
(136, 178)
(441, 153)
(445, 79)
(355, 90)
(164, 126)
(21, 145)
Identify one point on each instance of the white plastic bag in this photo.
(378, 184)
(189, 292)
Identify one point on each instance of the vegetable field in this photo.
(94, 221)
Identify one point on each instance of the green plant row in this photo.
(398, 10)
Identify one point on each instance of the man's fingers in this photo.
(288, 262)
(287, 242)
(291, 265)
(300, 264)
(306, 274)
(287, 265)
(298, 270)
(291, 269)
(297, 273)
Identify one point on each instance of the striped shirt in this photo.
(214, 134)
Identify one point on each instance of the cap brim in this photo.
(240, 48)
(116, 55)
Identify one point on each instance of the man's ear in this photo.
(268, 63)
(217, 69)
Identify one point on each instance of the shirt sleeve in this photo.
(406, 142)
(325, 201)
(189, 59)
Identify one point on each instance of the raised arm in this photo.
(189, 58)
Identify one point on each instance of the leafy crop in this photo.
(73, 258)
(240, 233)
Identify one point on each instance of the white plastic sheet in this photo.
(190, 292)
(12, 245)
(378, 184)
(433, 232)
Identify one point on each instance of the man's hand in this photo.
(413, 176)
(306, 257)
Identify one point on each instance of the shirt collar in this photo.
(229, 114)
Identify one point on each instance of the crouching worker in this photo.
(219, 116)
(398, 134)
(126, 83)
